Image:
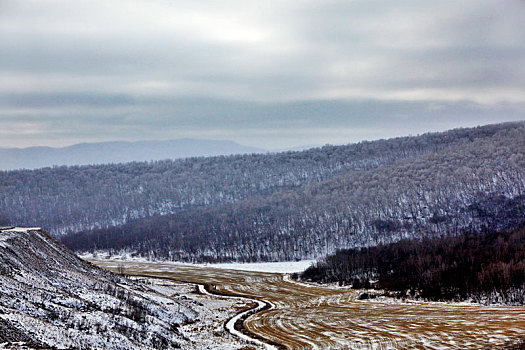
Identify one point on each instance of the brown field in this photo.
(308, 316)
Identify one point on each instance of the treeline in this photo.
(472, 185)
(72, 199)
(485, 267)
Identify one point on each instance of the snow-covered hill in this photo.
(470, 185)
(51, 298)
(80, 198)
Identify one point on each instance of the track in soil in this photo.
(308, 316)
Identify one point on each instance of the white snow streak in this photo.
(230, 325)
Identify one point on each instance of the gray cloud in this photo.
(270, 73)
(62, 119)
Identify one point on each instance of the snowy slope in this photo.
(51, 298)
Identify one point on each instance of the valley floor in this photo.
(307, 316)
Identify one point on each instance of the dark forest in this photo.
(486, 267)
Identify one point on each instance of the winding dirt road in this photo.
(307, 316)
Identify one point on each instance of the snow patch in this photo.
(276, 267)
(271, 267)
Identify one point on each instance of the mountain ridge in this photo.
(112, 152)
(473, 183)
(443, 192)
(72, 199)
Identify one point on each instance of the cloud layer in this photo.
(270, 73)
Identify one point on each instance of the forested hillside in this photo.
(72, 199)
(472, 179)
(486, 267)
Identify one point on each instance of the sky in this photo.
(272, 74)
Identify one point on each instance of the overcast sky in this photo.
(271, 74)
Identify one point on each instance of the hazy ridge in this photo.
(117, 152)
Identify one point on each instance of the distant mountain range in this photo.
(117, 152)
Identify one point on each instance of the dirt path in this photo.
(308, 316)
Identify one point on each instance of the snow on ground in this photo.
(209, 332)
(277, 267)
(23, 229)
(51, 299)
(272, 267)
(230, 325)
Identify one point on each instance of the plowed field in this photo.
(307, 316)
